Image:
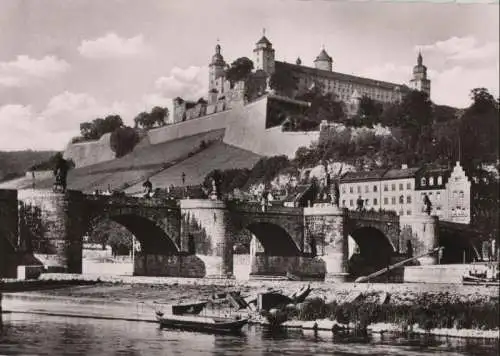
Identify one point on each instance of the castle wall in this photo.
(87, 153)
(248, 132)
(192, 127)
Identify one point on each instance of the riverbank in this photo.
(452, 310)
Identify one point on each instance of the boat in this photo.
(188, 308)
(200, 323)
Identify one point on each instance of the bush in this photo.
(123, 140)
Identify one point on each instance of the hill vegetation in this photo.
(14, 164)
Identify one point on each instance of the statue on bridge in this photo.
(428, 204)
(60, 172)
(148, 188)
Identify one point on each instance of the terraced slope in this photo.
(134, 167)
(218, 156)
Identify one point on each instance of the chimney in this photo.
(404, 166)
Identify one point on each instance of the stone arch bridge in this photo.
(194, 238)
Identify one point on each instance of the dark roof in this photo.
(364, 176)
(340, 76)
(433, 172)
(401, 173)
(323, 56)
(264, 40)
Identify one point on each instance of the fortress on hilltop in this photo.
(223, 95)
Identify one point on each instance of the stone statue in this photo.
(428, 204)
(61, 172)
(335, 193)
(214, 194)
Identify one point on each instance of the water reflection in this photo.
(24, 334)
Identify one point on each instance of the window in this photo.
(367, 202)
(386, 201)
(461, 194)
(359, 189)
(408, 212)
(423, 182)
(343, 202)
(375, 188)
(375, 202)
(408, 186)
(351, 203)
(393, 187)
(401, 199)
(386, 187)
(393, 200)
(440, 180)
(401, 186)
(431, 181)
(343, 190)
(408, 199)
(351, 190)
(401, 212)
(438, 196)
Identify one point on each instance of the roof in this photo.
(340, 76)
(323, 56)
(401, 173)
(376, 174)
(434, 172)
(264, 40)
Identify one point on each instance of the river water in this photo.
(29, 334)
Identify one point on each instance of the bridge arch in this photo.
(275, 239)
(375, 250)
(151, 235)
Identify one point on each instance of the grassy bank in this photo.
(429, 311)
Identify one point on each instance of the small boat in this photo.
(199, 323)
(188, 308)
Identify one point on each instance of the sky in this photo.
(63, 62)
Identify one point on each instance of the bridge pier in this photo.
(207, 222)
(8, 233)
(328, 226)
(51, 227)
(423, 233)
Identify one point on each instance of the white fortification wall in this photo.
(245, 128)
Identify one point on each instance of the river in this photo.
(29, 334)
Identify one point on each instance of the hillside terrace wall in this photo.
(87, 153)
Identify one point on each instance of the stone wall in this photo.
(8, 233)
(87, 153)
(305, 267)
(52, 223)
(169, 266)
(423, 232)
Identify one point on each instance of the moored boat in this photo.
(200, 323)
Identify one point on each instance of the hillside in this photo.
(163, 163)
(16, 163)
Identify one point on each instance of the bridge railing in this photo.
(256, 207)
(131, 201)
(372, 215)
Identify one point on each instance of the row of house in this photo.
(403, 191)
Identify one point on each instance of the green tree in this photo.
(123, 140)
(283, 82)
(369, 111)
(240, 70)
(98, 127)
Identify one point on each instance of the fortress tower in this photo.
(419, 80)
(216, 68)
(264, 56)
(323, 61)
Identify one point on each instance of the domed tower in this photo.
(323, 61)
(216, 68)
(419, 80)
(264, 55)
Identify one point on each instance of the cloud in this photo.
(112, 46)
(189, 83)
(462, 49)
(449, 86)
(25, 70)
(56, 124)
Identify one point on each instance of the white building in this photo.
(403, 190)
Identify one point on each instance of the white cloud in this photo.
(113, 46)
(450, 46)
(189, 83)
(57, 123)
(26, 70)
